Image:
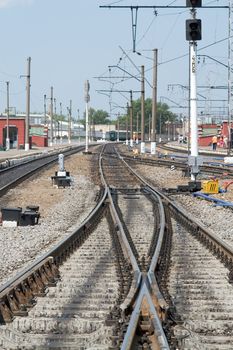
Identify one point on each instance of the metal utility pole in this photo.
(51, 117)
(149, 130)
(193, 104)
(142, 110)
(55, 119)
(87, 100)
(28, 76)
(45, 117)
(131, 118)
(69, 122)
(154, 102)
(118, 126)
(230, 75)
(193, 33)
(160, 129)
(61, 122)
(78, 127)
(7, 118)
(137, 131)
(126, 125)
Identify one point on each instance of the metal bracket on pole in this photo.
(134, 16)
(194, 162)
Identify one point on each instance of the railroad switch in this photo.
(62, 177)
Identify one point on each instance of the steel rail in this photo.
(154, 261)
(222, 249)
(212, 169)
(183, 150)
(21, 178)
(141, 289)
(26, 159)
(22, 289)
(129, 336)
(124, 244)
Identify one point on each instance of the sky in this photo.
(70, 41)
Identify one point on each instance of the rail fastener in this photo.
(20, 295)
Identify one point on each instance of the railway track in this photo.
(199, 285)
(124, 279)
(214, 170)
(18, 171)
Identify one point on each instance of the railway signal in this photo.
(193, 29)
(193, 34)
(193, 3)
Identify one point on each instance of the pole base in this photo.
(153, 147)
(26, 147)
(7, 144)
(143, 147)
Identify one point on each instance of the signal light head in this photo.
(193, 3)
(193, 29)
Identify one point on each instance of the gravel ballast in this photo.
(218, 219)
(60, 209)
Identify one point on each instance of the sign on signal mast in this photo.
(86, 90)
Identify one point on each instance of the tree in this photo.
(98, 116)
(163, 114)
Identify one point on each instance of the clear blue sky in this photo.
(70, 41)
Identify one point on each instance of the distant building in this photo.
(38, 133)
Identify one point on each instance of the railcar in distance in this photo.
(113, 135)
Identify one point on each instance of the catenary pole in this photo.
(78, 127)
(45, 117)
(55, 119)
(142, 110)
(126, 126)
(131, 118)
(87, 99)
(51, 117)
(28, 76)
(154, 103)
(193, 101)
(69, 123)
(7, 118)
(118, 126)
(230, 74)
(61, 122)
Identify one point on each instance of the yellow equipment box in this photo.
(210, 186)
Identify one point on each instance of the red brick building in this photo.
(207, 131)
(38, 134)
